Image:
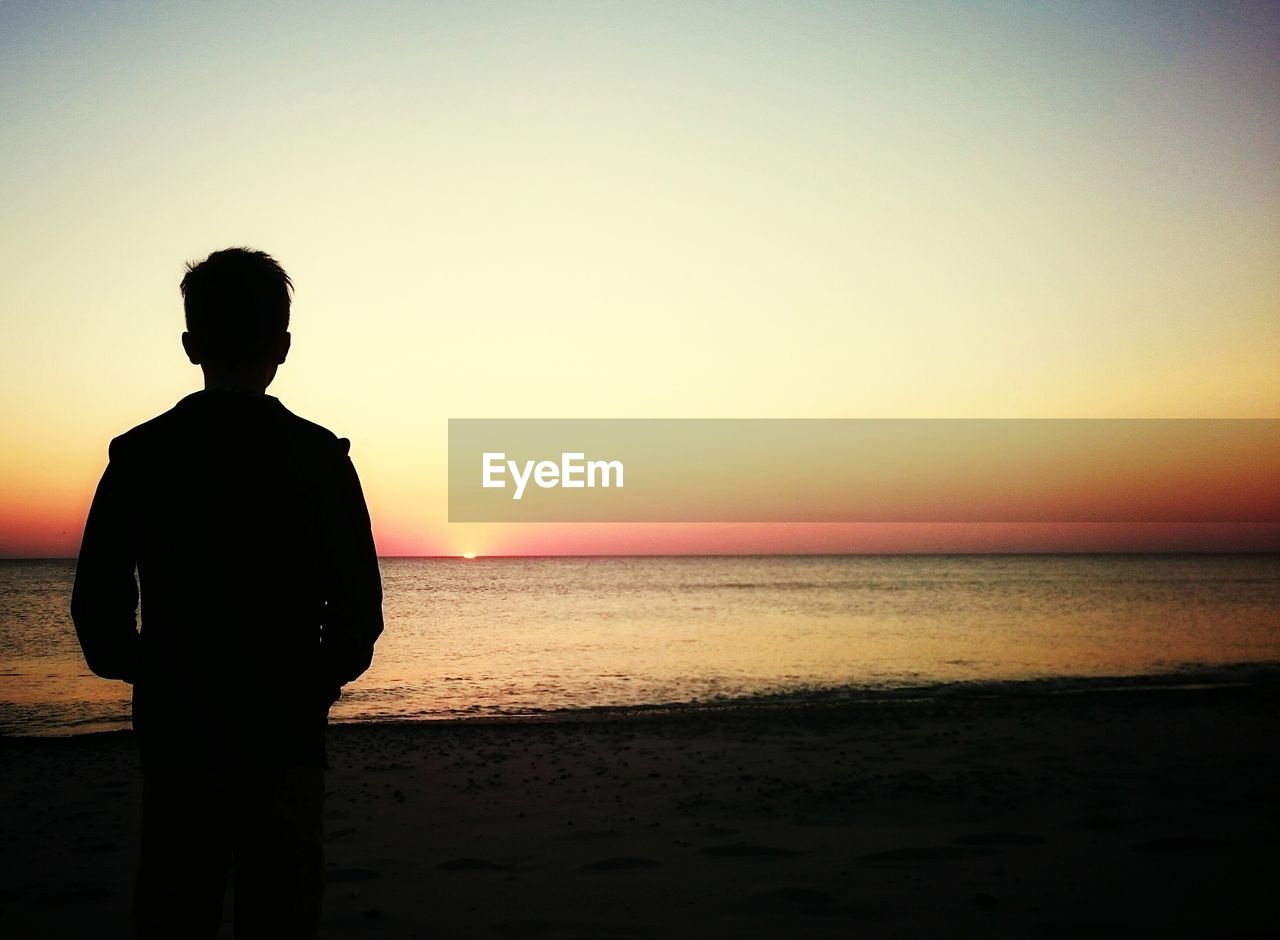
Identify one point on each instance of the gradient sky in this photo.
(640, 210)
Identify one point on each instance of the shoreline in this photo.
(1184, 678)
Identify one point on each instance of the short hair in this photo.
(237, 302)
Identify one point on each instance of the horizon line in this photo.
(903, 554)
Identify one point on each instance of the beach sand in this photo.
(1012, 815)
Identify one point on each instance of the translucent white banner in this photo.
(769, 470)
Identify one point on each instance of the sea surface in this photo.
(528, 636)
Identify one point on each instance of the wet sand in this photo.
(1018, 814)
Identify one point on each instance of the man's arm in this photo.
(353, 608)
(104, 601)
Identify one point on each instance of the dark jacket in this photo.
(259, 581)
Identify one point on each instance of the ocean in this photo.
(531, 636)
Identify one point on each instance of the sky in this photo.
(620, 210)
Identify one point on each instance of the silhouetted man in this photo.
(260, 599)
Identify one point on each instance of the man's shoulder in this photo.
(316, 435)
(146, 433)
(189, 416)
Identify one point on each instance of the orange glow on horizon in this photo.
(52, 528)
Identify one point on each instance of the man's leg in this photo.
(279, 853)
(186, 853)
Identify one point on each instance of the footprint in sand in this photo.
(805, 898)
(620, 863)
(1001, 838)
(1181, 844)
(472, 864)
(743, 850)
(1098, 823)
(940, 853)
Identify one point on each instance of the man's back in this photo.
(259, 581)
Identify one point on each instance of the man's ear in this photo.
(192, 347)
(280, 351)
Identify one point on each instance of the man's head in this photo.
(237, 305)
